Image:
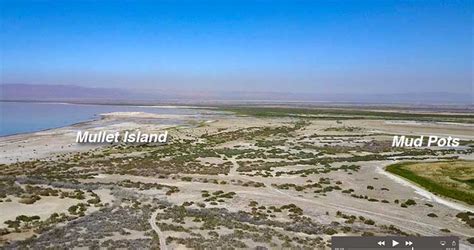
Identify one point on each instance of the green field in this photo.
(345, 113)
(453, 179)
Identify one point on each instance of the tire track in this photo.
(160, 234)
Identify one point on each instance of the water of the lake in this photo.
(24, 117)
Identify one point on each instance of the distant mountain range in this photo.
(51, 92)
(30, 92)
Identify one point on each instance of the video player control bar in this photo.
(394, 243)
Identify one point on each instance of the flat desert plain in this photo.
(246, 178)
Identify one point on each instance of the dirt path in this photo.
(160, 234)
(389, 219)
(395, 220)
(385, 217)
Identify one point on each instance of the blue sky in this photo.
(295, 46)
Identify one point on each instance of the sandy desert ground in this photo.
(226, 181)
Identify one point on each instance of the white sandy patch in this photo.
(416, 123)
(145, 115)
(43, 208)
(100, 176)
(104, 195)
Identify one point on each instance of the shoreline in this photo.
(47, 129)
(102, 116)
(48, 143)
(99, 116)
(216, 104)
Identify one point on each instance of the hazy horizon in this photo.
(35, 92)
(324, 47)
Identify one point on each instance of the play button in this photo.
(394, 243)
